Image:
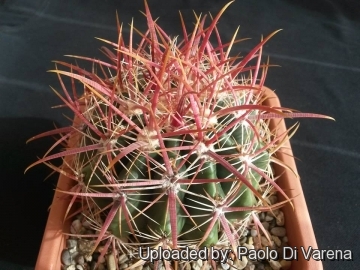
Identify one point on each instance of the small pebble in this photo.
(100, 266)
(71, 267)
(269, 218)
(285, 265)
(110, 262)
(72, 250)
(272, 224)
(80, 259)
(257, 243)
(241, 264)
(250, 240)
(195, 266)
(76, 227)
(123, 265)
(86, 224)
(79, 267)
(123, 258)
(70, 243)
(280, 219)
(248, 246)
(273, 213)
(245, 233)
(88, 258)
(275, 265)
(278, 231)
(285, 239)
(67, 258)
(265, 242)
(85, 246)
(254, 232)
(243, 240)
(265, 225)
(225, 266)
(249, 267)
(273, 199)
(276, 240)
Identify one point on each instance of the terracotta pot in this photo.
(297, 221)
(298, 224)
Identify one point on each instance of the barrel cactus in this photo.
(170, 145)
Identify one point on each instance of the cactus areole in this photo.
(171, 143)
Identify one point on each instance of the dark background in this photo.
(319, 54)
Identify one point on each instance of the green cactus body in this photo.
(196, 205)
(136, 169)
(159, 212)
(135, 165)
(230, 146)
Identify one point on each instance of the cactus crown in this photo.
(170, 143)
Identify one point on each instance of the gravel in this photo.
(76, 255)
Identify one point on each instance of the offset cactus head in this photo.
(171, 142)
